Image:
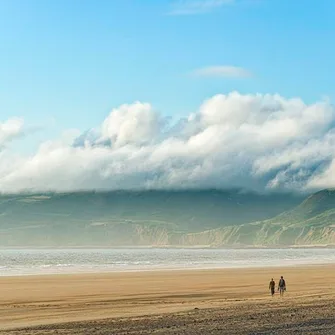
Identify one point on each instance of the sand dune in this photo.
(142, 298)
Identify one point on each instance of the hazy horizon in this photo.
(209, 218)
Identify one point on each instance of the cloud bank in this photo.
(10, 129)
(258, 142)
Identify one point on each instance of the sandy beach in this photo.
(227, 301)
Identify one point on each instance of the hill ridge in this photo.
(216, 218)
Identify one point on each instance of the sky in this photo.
(167, 94)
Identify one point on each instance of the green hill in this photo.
(166, 218)
(310, 223)
(132, 218)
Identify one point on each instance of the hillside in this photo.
(157, 218)
(310, 223)
(132, 218)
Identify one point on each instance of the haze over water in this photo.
(52, 261)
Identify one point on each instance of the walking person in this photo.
(282, 286)
(272, 286)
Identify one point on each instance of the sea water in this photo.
(56, 261)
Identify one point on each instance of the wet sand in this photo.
(170, 302)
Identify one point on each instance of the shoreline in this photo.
(30, 262)
(171, 269)
(181, 247)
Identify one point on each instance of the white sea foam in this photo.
(55, 261)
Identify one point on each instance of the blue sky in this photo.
(66, 64)
(75, 60)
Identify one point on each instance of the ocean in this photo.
(15, 262)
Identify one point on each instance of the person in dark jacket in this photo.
(272, 286)
(282, 286)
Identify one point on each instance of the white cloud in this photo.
(136, 123)
(193, 7)
(10, 129)
(253, 141)
(222, 71)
